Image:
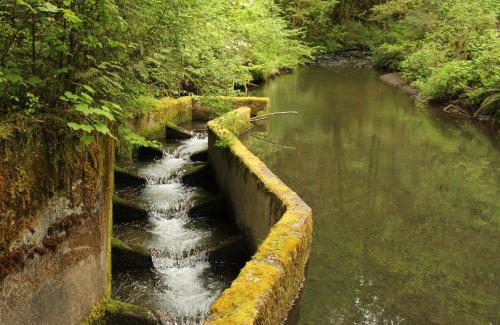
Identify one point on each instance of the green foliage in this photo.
(128, 51)
(448, 81)
(390, 56)
(453, 51)
(217, 106)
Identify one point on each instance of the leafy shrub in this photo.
(390, 56)
(449, 81)
(418, 65)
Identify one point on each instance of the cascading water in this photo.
(183, 283)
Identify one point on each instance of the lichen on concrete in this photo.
(268, 284)
(55, 198)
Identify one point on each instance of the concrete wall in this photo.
(207, 108)
(275, 222)
(151, 123)
(55, 205)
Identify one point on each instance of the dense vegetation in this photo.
(448, 49)
(101, 55)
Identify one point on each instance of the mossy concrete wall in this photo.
(207, 108)
(275, 222)
(55, 209)
(150, 123)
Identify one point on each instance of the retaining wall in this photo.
(275, 222)
(150, 123)
(55, 209)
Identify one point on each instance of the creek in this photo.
(405, 200)
(186, 276)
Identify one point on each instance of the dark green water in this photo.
(406, 201)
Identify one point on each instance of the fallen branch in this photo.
(264, 116)
(272, 143)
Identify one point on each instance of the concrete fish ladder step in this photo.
(127, 211)
(129, 257)
(121, 313)
(124, 178)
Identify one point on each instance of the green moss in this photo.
(150, 123)
(5, 131)
(145, 103)
(216, 106)
(266, 287)
(117, 243)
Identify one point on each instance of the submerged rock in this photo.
(173, 131)
(128, 257)
(121, 313)
(125, 178)
(127, 211)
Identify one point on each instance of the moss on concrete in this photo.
(207, 108)
(150, 123)
(173, 131)
(26, 185)
(268, 284)
(121, 313)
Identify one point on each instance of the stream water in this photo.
(406, 201)
(184, 282)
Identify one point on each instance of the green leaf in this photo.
(14, 78)
(24, 3)
(34, 81)
(48, 7)
(71, 17)
(87, 139)
(104, 112)
(83, 127)
(89, 89)
(103, 128)
(84, 109)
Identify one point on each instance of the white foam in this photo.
(192, 145)
(163, 169)
(167, 197)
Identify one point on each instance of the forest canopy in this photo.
(122, 51)
(106, 56)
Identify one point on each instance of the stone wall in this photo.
(275, 222)
(55, 210)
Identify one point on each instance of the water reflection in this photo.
(405, 200)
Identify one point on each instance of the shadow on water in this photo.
(405, 200)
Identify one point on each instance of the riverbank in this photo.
(363, 59)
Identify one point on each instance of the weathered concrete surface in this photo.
(275, 222)
(55, 207)
(129, 257)
(200, 175)
(126, 211)
(124, 177)
(121, 313)
(151, 123)
(200, 155)
(173, 131)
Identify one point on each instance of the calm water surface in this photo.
(406, 201)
